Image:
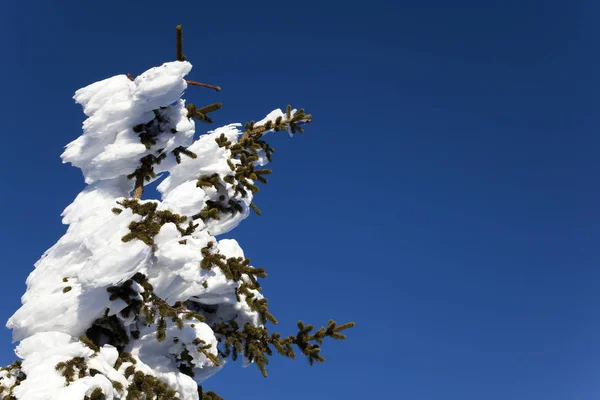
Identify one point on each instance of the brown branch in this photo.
(139, 187)
(193, 83)
(180, 56)
(205, 85)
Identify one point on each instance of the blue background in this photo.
(445, 198)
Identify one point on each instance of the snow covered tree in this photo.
(139, 299)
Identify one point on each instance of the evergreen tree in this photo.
(139, 299)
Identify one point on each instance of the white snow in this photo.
(44, 350)
(108, 147)
(92, 256)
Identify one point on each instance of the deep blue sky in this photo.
(445, 198)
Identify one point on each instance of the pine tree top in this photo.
(139, 299)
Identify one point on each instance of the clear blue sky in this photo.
(445, 198)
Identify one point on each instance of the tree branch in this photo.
(180, 56)
(139, 187)
(205, 85)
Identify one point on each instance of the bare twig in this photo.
(205, 85)
(180, 56)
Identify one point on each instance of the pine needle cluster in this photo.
(97, 394)
(15, 371)
(256, 344)
(148, 308)
(149, 387)
(152, 221)
(207, 395)
(201, 114)
(69, 369)
(247, 151)
(150, 130)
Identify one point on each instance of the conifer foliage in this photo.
(139, 300)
